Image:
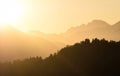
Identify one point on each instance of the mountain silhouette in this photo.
(86, 58)
(34, 43)
(95, 29)
(15, 44)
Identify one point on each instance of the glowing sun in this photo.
(10, 11)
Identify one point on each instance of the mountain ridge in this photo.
(39, 43)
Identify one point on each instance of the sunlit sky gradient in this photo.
(55, 16)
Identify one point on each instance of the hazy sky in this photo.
(59, 15)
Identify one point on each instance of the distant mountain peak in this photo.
(95, 24)
(98, 22)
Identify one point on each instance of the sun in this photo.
(10, 11)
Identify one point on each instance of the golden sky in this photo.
(55, 16)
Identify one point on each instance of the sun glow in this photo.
(10, 11)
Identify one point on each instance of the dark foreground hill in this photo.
(95, 58)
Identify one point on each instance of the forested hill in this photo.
(87, 58)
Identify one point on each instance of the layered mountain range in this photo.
(15, 44)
